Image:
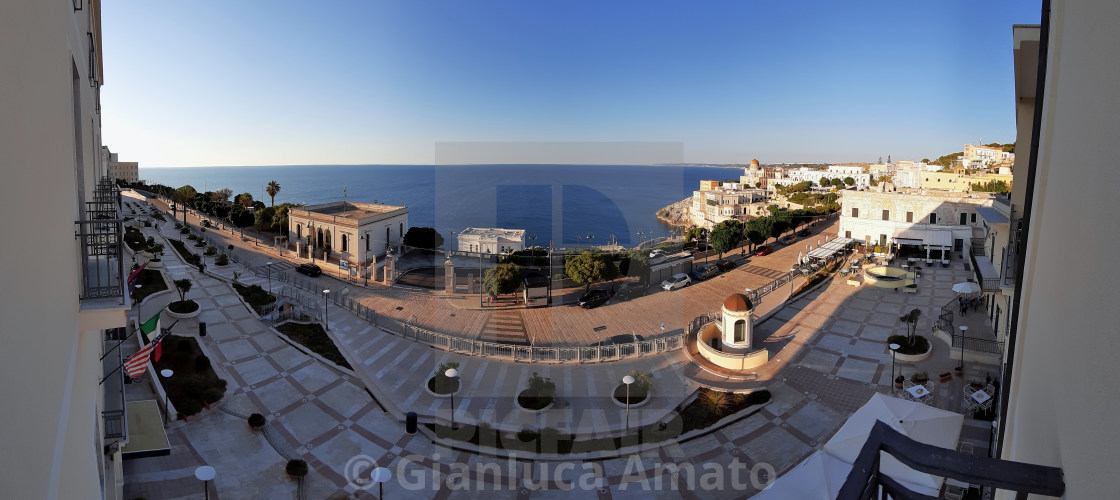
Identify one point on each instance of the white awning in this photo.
(930, 237)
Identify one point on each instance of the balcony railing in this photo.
(1011, 257)
(112, 386)
(986, 274)
(866, 480)
(100, 236)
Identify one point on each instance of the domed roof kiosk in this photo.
(733, 330)
(736, 325)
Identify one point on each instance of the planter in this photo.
(434, 394)
(620, 393)
(546, 407)
(959, 372)
(155, 264)
(944, 377)
(183, 315)
(898, 382)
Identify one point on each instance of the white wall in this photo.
(1063, 393)
(50, 389)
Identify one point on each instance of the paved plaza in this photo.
(831, 357)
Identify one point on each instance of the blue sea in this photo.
(561, 203)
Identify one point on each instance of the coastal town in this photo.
(915, 328)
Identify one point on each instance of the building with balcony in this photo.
(933, 221)
(64, 293)
(347, 230)
(726, 202)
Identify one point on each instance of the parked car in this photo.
(787, 239)
(309, 269)
(704, 272)
(594, 298)
(803, 232)
(764, 250)
(205, 223)
(657, 252)
(679, 280)
(725, 265)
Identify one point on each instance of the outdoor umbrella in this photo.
(819, 477)
(800, 258)
(917, 421)
(966, 287)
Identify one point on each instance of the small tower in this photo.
(737, 309)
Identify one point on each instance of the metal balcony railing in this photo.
(866, 480)
(100, 236)
(989, 281)
(1011, 256)
(112, 386)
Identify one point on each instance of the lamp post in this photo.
(205, 473)
(964, 329)
(166, 399)
(628, 380)
(326, 318)
(269, 264)
(380, 476)
(453, 374)
(894, 350)
(590, 239)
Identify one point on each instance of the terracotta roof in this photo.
(738, 302)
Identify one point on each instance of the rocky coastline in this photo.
(677, 214)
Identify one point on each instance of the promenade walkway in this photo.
(832, 359)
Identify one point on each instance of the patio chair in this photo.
(967, 448)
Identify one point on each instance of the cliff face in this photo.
(677, 214)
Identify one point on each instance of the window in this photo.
(740, 331)
(847, 234)
(933, 218)
(964, 218)
(909, 216)
(345, 243)
(974, 217)
(386, 236)
(883, 240)
(367, 241)
(855, 212)
(886, 215)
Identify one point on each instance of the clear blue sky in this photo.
(286, 82)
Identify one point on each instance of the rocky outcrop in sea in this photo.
(677, 214)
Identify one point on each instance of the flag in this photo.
(157, 353)
(135, 274)
(138, 362)
(150, 325)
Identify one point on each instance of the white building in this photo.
(64, 409)
(791, 176)
(491, 240)
(933, 221)
(726, 202)
(985, 156)
(346, 230)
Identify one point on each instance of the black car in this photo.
(803, 232)
(594, 298)
(725, 265)
(205, 223)
(309, 269)
(704, 272)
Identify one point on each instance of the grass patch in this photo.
(150, 281)
(194, 382)
(256, 297)
(700, 414)
(313, 337)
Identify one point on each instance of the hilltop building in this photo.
(128, 171)
(729, 201)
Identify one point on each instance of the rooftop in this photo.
(493, 232)
(351, 209)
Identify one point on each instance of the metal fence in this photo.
(945, 323)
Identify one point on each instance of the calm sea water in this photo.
(557, 202)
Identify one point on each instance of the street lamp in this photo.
(453, 374)
(628, 380)
(894, 350)
(205, 473)
(269, 264)
(326, 318)
(380, 476)
(166, 399)
(963, 330)
(590, 239)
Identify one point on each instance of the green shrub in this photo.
(256, 420)
(192, 237)
(184, 230)
(296, 468)
(211, 250)
(539, 394)
(221, 260)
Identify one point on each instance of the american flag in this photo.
(138, 362)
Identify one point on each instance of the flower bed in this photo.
(256, 297)
(194, 383)
(313, 337)
(149, 281)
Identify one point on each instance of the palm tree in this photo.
(272, 188)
